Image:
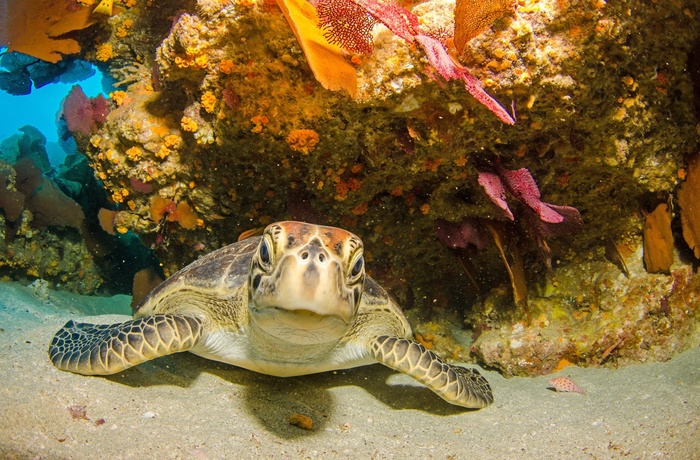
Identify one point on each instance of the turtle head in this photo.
(306, 282)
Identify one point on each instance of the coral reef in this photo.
(11, 201)
(30, 202)
(46, 234)
(219, 120)
(56, 256)
(590, 314)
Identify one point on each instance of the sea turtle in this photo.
(293, 301)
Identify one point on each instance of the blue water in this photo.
(40, 109)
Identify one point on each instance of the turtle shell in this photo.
(222, 271)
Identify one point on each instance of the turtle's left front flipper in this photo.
(456, 385)
(93, 349)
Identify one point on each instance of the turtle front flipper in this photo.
(93, 349)
(456, 385)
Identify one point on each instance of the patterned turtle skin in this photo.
(293, 301)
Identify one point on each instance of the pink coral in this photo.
(494, 189)
(523, 187)
(82, 114)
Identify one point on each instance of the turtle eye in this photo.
(264, 252)
(357, 268)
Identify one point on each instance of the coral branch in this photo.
(450, 70)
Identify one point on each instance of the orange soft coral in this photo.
(185, 215)
(33, 27)
(325, 59)
(106, 218)
(303, 140)
(162, 208)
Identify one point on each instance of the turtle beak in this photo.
(308, 279)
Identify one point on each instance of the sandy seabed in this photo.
(183, 406)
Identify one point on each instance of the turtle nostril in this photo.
(321, 258)
(304, 255)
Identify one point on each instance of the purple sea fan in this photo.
(523, 187)
(462, 234)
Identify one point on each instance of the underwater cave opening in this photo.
(39, 100)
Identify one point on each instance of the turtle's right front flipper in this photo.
(456, 385)
(93, 349)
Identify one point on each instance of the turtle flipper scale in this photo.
(103, 349)
(456, 385)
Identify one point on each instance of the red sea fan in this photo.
(347, 25)
(399, 20)
(78, 112)
(82, 114)
(100, 108)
